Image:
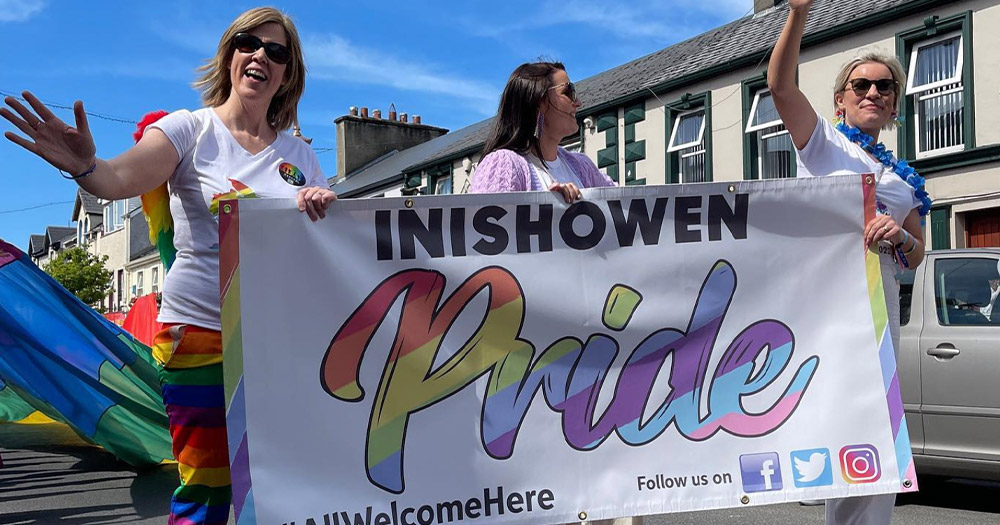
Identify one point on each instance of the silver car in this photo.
(949, 362)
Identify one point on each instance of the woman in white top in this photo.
(234, 147)
(866, 99)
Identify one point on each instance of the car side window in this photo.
(905, 279)
(966, 291)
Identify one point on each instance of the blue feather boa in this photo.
(885, 156)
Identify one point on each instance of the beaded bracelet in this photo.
(80, 176)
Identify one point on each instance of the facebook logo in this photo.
(761, 472)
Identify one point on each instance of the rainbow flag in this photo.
(156, 205)
(62, 359)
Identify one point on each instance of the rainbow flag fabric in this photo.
(62, 359)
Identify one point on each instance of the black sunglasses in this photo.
(247, 43)
(570, 90)
(885, 86)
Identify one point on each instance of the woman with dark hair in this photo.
(522, 153)
(866, 99)
(537, 110)
(236, 146)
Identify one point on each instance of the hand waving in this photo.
(65, 147)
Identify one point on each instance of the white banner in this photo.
(511, 358)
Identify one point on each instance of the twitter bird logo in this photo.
(812, 467)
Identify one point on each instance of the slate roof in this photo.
(138, 243)
(743, 43)
(91, 204)
(36, 244)
(59, 233)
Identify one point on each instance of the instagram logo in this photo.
(859, 464)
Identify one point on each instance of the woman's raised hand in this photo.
(61, 145)
(800, 4)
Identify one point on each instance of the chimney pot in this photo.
(364, 112)
(416, 119)
(402, 117)
(353, 111)
(377, 114)
(392, 112)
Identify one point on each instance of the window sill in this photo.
(960, 159)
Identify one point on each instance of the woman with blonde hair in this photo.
(236, 146)
(866, 97)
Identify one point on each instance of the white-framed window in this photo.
(936, 85)
(687, 141)
(114, 215)
(81, 233)
(139, 284)
(154, 279)
(775, 152)
(442, 185)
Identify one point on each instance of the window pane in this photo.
(941, 114)
(777, 155)
(937, 62)
(966, 290)
(692, 163)
(689, 129)
(766, 112)
(443, 186)
(905, 295)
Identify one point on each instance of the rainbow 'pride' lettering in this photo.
(570, 372)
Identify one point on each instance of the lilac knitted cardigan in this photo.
(504, 171)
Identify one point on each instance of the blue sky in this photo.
(446, 61)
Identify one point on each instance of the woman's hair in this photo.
(514, 126)
(215, 84)
(873, 57)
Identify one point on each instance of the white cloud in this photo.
(659, 21)
(20, 10)
(331, 57)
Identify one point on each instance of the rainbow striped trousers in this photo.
(191, 378)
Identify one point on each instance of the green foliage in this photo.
(82, 273)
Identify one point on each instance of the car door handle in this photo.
(944, 351)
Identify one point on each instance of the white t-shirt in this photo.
(214, 166)
(829, 152)
(557, 171)
(988, 309)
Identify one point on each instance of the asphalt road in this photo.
(49, 476)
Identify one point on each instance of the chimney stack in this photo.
(362, 139)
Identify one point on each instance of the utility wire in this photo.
(70, 108)
(36, 207)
